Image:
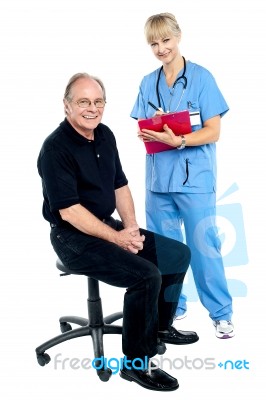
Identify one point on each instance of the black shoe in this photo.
(155, 379)
(173, 336)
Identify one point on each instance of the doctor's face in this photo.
(85, 109)
(166, 49)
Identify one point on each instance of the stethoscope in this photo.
(182, 79)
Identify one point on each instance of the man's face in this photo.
(84, 120)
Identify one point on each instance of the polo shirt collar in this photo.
(77, 137)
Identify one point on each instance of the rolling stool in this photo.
(95, 326)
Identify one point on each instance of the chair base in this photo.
(95, 326)
(86, 329)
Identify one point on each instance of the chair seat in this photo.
(64, 269)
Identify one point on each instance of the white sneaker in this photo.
(224, 329)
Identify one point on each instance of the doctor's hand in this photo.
(159, 112)
(166, 136)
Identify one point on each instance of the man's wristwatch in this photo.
(183, 143)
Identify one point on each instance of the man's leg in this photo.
(172, 258)
(111, 264)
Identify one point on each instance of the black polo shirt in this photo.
(76, 170)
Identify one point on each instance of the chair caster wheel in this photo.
(161, 348)
(43, 359)
(65, 327)
(104, 374)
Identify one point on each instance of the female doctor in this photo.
(181, 182)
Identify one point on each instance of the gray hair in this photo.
(78, 76)
(160, 26)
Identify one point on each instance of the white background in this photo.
(44, 42)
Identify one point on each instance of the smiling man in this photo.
(87, 115)
(83, 183)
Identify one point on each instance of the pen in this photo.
(153, 106)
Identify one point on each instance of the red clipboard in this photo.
(179, 122)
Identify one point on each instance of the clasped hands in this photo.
(130, 239)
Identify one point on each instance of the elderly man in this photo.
(83, 184)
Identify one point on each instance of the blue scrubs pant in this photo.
(165, 213)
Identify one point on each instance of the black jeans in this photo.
(153, 279)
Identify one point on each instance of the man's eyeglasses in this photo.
(84, 103)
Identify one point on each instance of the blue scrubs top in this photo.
(192, 170)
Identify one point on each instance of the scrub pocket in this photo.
(197, 173)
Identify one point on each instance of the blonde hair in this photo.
(160, 26)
